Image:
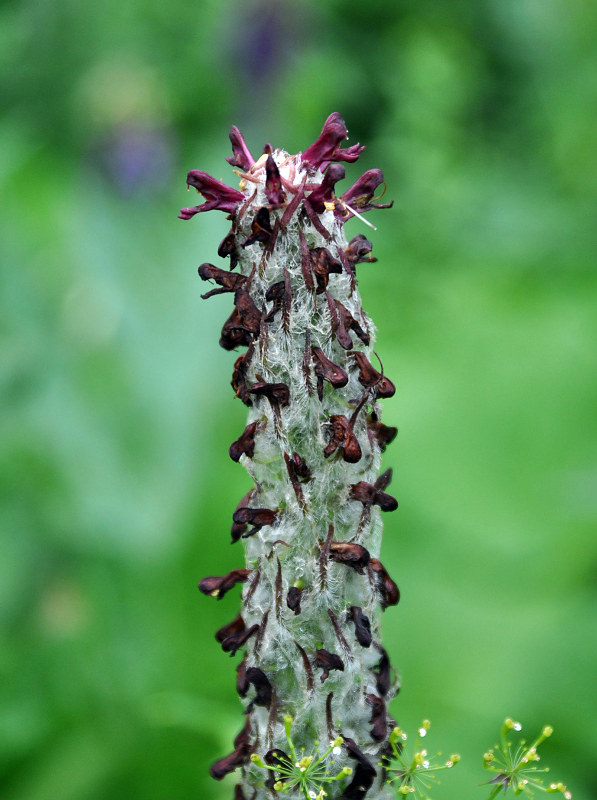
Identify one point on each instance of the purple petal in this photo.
(324, 147)
(360, 194)
(217, 195)
(241, 154)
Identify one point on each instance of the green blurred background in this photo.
(116, 486)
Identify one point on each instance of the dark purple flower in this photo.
(273, 184)
(217, 195)
(324, 193)
(241, 157)
(361, 193)
(325, 146)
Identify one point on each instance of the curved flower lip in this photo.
(360, 194)
(217, 195)
(241, 155)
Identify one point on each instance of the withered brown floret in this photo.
(359, 250)
(219, 586)
(342, 437)
(362, 626)
(228, 281)
(245, 444)
(261, 229)
(382, 434)
(371, 494)
(257, 517)
(323, 264)
(325, 369)
(293, 599)
(378, 717)
(388, 590)
(370, 378)
(363, 776)
(239, 377)
(351, 554)
(328, 661)
(238, 529)
(277, 393)
(262, 686)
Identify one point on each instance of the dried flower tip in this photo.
(323, 265)
(238, 529)
(245, 444)
(362, 626)
(258, 517)
(388, 590)
(228, 281)
(359, 250)
(261, 229)
(369, 495)
(378, 717)
(219, 586)
(382, 434)
(343, 438)
(370, 378)
(325, 369)
(277, 393)
(239, 378)
(262, 686)
(293, 599)
(353, 555)
(328, 661)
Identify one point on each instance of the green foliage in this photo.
(516, 767)
(415, 772)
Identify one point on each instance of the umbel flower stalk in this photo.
(313, 676)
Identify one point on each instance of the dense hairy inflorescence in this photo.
(313, 585)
